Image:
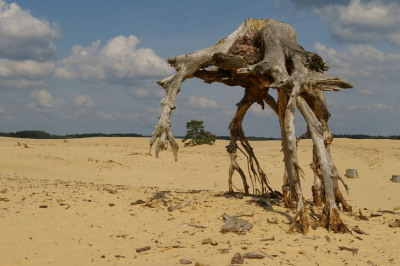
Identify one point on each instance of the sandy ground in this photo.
(73, 202)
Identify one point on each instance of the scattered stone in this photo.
(103, 256)
(124, 236)
(179, 206)
(214, 243)
(206, 241)
(43, 206)
(250, 255)
(272, 221)
(4, 191)
(396, 178)
(138, 202)
(237, 259)
(310, 237)
(111, 204)
(120, 257)
(224, 249)
(244, 214)
(328, 239)
(314, 226)
(387, 211)
(395, 223)
(234, 224)
(362, 216)
(358, 230)
(138, 250)
(183, 261)
(353, 250)
(197, 225)
(268, 239)
(351, 173)
(260, 201)
(4, 199)
(371, 263)
(111, 191)
(200, 264)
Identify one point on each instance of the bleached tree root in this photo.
(331, 220)
(257, 176)
(260, 55)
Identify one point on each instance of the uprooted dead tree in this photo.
(263, 54)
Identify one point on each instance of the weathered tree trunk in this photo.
(317, 188)
(330, 216)
(259, 55)
(257, 176)
(318, 103)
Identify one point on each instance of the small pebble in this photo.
(138, 250)
(206, 241)
(237, 259)
(183, 261)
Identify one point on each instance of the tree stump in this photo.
(396, 178)
(351, 173)
(261, 55)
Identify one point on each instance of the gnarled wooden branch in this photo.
(264, 54)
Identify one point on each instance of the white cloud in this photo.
(83, 100)
(45, 100)
(382, 106)
(202, 103)
(257, 110)
(152, 110)
(373, 107)
(2, 109)
(118, 62)
(109, 116)
(24, 37)
(362, 21)
(28, 69)
(148, 92)
(361, 62)
(27, 51)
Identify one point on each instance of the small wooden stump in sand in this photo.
(396, 178)
(351, 173)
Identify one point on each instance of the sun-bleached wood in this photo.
(263, 54)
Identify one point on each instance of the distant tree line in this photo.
(37, 134)
(252, 138)
(363, 136)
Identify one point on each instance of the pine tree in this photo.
(197, 135)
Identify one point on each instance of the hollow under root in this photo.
(331, 220)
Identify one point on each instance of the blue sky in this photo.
(92, 66)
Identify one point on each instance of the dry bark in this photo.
(259, 55)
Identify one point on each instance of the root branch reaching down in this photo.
(263, 54)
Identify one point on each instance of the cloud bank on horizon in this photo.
(105, 80)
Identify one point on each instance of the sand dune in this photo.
(95, 201)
